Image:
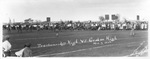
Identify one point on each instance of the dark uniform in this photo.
(132, 30)
(9, 28)
(27, 52)
(20, 28)
(57, 30)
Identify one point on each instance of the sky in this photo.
(76, 10)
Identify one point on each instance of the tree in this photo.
(101, 18)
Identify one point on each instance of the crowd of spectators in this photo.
(80, 26)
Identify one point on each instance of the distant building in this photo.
(115, 17)
(28, 20)
(106, 17)
(138, 17)
(101, 18)
(48, 19)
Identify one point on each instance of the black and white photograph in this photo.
(74, 28)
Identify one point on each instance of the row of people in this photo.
(80, 26)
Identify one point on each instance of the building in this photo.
(28, 20)
(138, 17)
(106, 17)
(115, 17)
(48, 19)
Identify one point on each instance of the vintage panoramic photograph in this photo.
(74, 28)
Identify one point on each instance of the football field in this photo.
(78, 43)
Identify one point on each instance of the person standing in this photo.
(38, 28)
(20, 28)
(6, 46)
(9, 28)
(57, 30)
(132, 30)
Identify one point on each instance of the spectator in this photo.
(27, 52)
(145, 26)
(6, 46)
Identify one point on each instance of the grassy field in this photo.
(124, 45)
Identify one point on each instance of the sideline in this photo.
(117, 38)
(83, 49)
(135, 49)
(64, 36)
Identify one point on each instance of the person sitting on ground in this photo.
(27, 52)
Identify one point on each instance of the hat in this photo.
(6, 37)
(27, 45)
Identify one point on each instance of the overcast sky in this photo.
(72, 9)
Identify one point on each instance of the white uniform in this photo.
(124, 26)
(6, 46)
(121, 27)
(142, 26)
(19, 53)
(145, 26)
(103, 25)
(113, 26)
